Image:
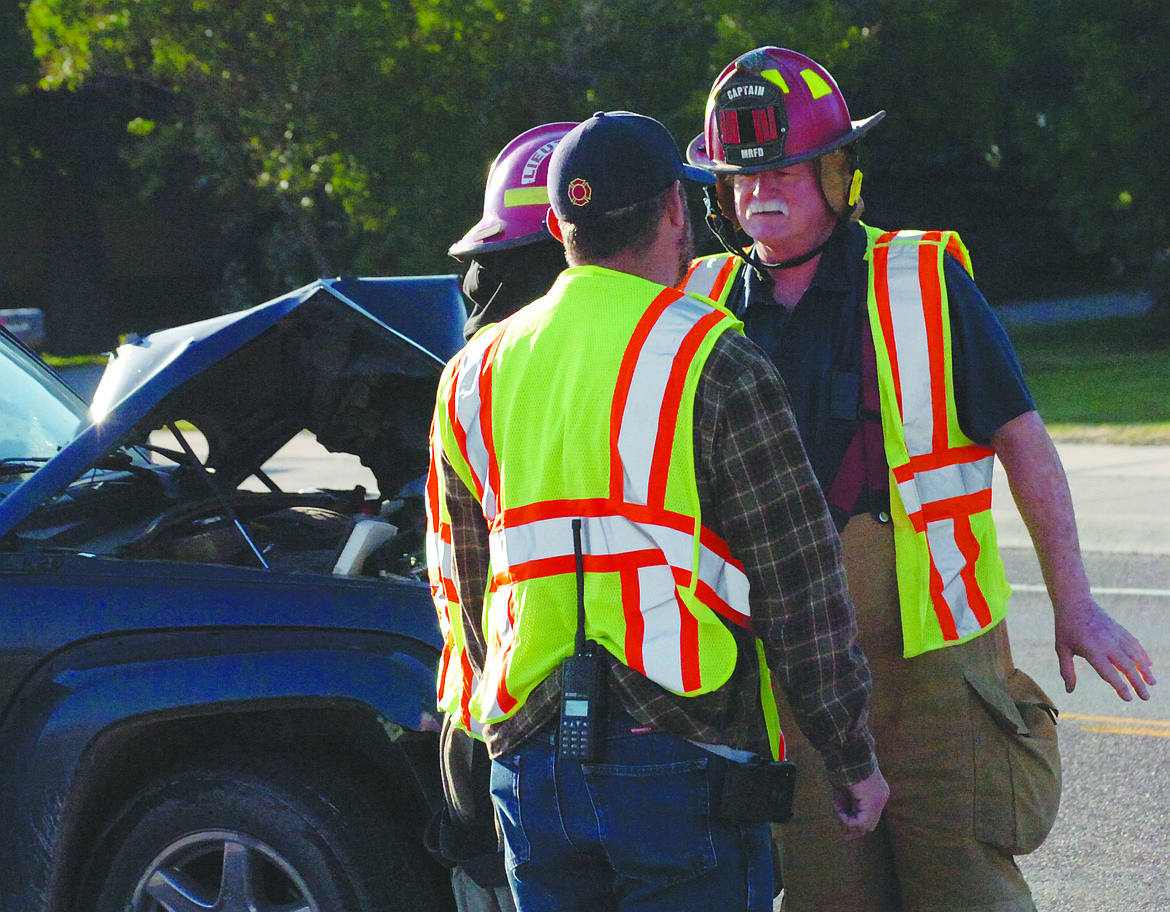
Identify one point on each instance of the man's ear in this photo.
(841, 183)
(676, 204)
(554, 225)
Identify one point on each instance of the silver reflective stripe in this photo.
(641, 420)
(702, 280)
(513, 546)
(932, 485)
(910, 343)
(662, 637)
(949, 562)
(941, 483)
(468, 409)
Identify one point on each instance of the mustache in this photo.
(755, 207)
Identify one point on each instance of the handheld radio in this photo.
(582, 682)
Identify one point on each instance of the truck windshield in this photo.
(38, 413)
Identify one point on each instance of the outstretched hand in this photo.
(1086, 629)
(860, 805)
(1083, 628)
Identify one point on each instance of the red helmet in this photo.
(515, 200)
(772, 108)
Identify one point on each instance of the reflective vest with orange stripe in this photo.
(951, 582)
(581, 406)
(457, 679)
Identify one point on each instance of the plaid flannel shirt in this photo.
(757, 490)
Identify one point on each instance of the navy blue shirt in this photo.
(818, 351)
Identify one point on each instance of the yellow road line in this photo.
(1119, 725)
(1127, 730)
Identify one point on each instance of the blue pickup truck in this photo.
(215, 692)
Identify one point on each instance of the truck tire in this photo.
(258, 840)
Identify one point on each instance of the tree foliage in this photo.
(360, 133)
(1094, 122)
(355, 137)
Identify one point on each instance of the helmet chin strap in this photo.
(723, 229)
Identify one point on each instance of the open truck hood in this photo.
(353, 360)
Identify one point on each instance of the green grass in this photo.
(59, 361)
(1102, 381)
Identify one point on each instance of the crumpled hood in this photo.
(355, 361)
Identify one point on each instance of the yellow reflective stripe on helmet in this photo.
(774, 76)
(526, 196)
(816, 83)
(855, 187)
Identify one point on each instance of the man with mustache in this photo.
(906, 390)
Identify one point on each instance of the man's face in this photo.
(783, 210)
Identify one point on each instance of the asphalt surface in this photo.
(1121, 494)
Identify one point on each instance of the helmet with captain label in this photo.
(771, 108)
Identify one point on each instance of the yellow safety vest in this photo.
(520, 414)
(457, 679)
(712, 277)
(951, 582)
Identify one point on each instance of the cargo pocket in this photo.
(1017, 762)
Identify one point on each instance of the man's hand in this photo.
(1085, 629)
(860, 805)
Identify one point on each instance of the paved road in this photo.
(1122, 497)
(1109, 849)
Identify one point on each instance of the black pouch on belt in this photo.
(759, 791)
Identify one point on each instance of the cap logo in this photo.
(579, 191)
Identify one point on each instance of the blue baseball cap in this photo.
(613, 160)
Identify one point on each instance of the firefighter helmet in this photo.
(772, 108)
(516, 196)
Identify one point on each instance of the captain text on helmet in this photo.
(906, 391)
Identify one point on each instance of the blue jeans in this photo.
(634, 832)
